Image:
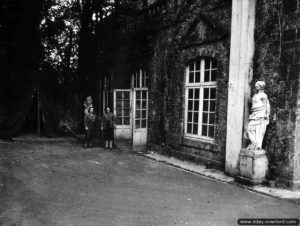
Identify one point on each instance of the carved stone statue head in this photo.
(260, 85)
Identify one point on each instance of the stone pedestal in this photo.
(253, 166)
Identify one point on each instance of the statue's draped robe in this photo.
(258, 120)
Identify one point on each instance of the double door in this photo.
(131, 110)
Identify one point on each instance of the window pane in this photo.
(212, 118)
(212, 106)
(138, 104)
(126, 103)
(144, 104)
(119, 120)
(119, 103)
(118, 112)
(190, 105)
(206, 76)
(213, 93)
(191, 67)
(138, 94)
(205, 105)
(126, 121)
(198, 65)
(196, 105)
(214, 64)
(191, 77)
(211, 131)
(197, 91)
(189, 128)
(138, 114)
(144, 123)
(144, 114)
(207, 64)
(119, 95)
(197, 77)
(137, 124)
(191, 93)
(204, 130)
(195, 129)
(206, 93)
(144, 95)
(205, 118)
(214, 75)
(126, 112)
(190, 117)
(196, 114)
(126, 95)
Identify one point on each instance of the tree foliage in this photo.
(51, 44)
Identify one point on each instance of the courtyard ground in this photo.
(57, 182)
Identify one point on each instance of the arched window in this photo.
(200, 98)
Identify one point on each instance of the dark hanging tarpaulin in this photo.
(16, 100)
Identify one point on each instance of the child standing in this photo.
(108, 124)
(89, 122)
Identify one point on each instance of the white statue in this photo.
(259, 117)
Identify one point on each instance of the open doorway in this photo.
(131, 110)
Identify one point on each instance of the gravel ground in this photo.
(60, 183)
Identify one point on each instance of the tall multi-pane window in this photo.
(140, 79)
(141, 109)
(200, 93)
(140, 85)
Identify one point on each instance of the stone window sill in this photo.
(199, 143)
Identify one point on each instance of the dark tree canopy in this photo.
(48, 46)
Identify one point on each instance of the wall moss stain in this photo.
(164, 43)
(174, 47)
(275, 62)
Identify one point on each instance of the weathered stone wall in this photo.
(277, 62)
(163, 39)
(174, 48)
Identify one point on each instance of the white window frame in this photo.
(141, 99)
(129, 108)
(198, 85)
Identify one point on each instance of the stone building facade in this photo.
(276, 60)
(165, 69)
